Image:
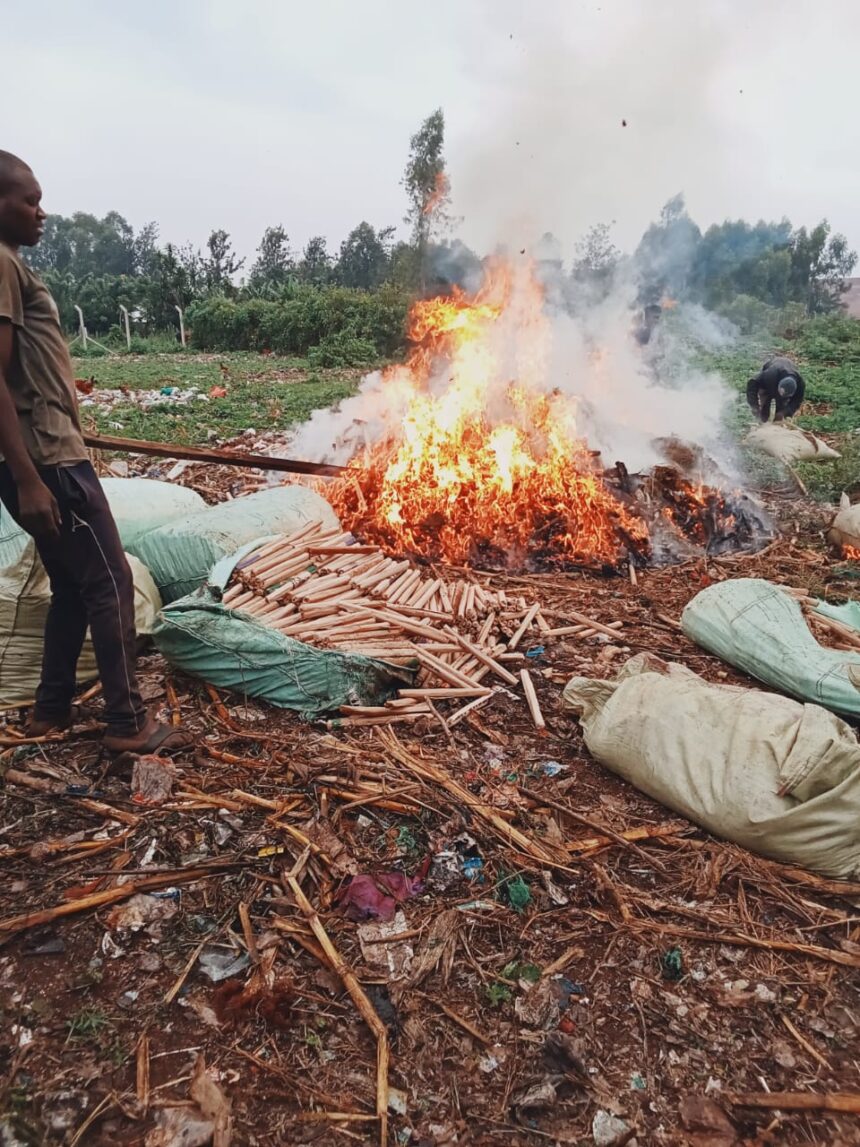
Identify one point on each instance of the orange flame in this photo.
(851, 553)
(489, 463)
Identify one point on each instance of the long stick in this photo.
(799, 1101)
(365, 1007)
(224, 457)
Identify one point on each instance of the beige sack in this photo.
(778, 777)
(790, 445)
(24, 598)
(845, 527)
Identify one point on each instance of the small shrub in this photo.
(343, 349)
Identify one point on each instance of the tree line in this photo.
(102, 264)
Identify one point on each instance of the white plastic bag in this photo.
(778, 777)
(790, 445)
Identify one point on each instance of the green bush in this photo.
(753, 317)
(350, 327)
(831, 338)
(342, 349)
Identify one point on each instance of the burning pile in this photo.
(489, 467)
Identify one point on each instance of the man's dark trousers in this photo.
(91, 585)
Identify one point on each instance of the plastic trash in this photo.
(757, 627)
(218, 965)
(142, 911)
(515, 891)
(775, 776)
(381, 951)
(608, 1130)
(366, 897)
(672, 964)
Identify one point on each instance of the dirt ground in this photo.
(630, 995)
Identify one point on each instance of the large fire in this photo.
(489, 465)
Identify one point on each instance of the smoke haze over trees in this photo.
(102, 264)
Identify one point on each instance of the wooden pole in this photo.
(223, 457)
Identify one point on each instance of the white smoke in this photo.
(578, 136)
(625, 397)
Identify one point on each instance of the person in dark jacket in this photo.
(777, 384)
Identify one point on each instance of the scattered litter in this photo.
(51, 945)
(553, 891)
(553, 768)
(477, 906)
(368, 897)
(515, 891)
(488, 1063)
(152, 780)
(142, 911)
(608, 1130)
(219, 965)
(764, 994)
(672, 964)
(542, 1094)
(378, 949)
(397, 1101)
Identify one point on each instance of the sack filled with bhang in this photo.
(845, 527)
(788, 444)
(758, 627)
(206, 639)
(25, 595)
(780, 778)
(180, 554)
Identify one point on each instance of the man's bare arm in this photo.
(37, 507)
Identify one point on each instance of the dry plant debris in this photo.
(564, 960)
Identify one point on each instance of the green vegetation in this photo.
(348, 309)
(263, 393)
(339, 326)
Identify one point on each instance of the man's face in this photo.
(22, 220)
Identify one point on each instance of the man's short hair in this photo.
(10, 167)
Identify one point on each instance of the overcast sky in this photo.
(245, 113)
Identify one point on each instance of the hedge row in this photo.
(334, 326)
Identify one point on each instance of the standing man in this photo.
(778, 383)
(48, 485)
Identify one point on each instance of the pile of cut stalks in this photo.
(325, 588)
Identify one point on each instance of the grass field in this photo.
(263, 393)
(827, 352)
